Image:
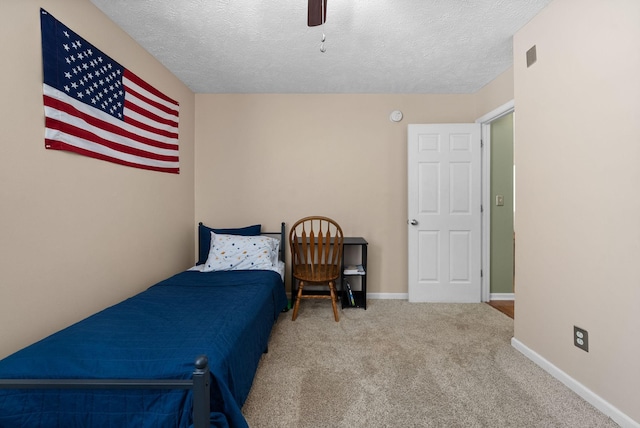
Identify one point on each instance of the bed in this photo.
(182, 353)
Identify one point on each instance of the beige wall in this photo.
(272, 158)
(578, 207)
(495, 93)
(78, 234)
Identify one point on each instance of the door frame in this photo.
(485, 136)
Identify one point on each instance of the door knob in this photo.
(413, 222)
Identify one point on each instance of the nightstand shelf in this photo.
(352, 255)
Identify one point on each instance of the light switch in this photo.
(499, 200)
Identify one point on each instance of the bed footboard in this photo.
(199, 383)
(201, 393)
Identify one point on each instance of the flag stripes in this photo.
(68, 125)
(81, 115)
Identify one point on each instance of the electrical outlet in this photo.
(581, 338)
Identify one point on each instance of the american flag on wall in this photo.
(96, 107)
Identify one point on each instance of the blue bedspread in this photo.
(156, 334)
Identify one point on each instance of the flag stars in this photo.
(90, 76)
(66, 33)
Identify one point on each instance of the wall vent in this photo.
(531, 56)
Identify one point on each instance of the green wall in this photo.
(502, 216)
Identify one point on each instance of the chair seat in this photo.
(319, 274)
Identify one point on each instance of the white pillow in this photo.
(236, 252)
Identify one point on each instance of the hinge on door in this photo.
(481, 143)
(481, 208)
(481, 275)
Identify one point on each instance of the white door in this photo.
(444, 165)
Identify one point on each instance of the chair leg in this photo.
(297, 304)
(334, 300)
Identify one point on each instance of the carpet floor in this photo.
(401, 364)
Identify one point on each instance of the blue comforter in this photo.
(156, 334)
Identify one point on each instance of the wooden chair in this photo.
(316, 258)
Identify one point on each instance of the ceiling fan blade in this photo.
(314, 12)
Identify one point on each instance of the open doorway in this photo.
(502, 209)
(499, 208)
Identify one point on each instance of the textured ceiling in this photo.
(372, 46)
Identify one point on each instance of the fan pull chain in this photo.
(323, 20)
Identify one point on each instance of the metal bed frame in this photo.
(199, 383)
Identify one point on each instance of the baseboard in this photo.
(589, 396)
(502, 296)
(388, 296)
(405, 296)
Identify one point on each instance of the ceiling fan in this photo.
(316, 12)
